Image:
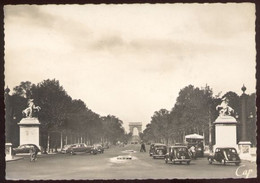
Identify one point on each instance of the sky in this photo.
(131, 60)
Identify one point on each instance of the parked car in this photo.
(74, 148)
(178, 154)
(66, 148)
(224, 155)
(98, 148)
(158, 150)
(25, 148)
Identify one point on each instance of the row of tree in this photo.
(63, 120)
(195, 112)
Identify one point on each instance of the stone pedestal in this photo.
(29, 131)
(244, 149)
(225, 132)
(8, 151)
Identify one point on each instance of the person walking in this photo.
(142, 147)
(33, 154)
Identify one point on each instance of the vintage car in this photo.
(224, 155)
(178, 154)
(25, 148)
(98, 148)
(66, 148)
(81, 147)
(158, 151)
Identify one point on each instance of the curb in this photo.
(14, 159)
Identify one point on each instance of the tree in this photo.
(148, 135)
(234, 102)
(54, 103)
(160, 124)
(193, 109)
(112, 129)
(24, 89)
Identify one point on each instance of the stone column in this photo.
(243, 115)
(244, 145)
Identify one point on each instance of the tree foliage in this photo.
(194, 112)
(60, 113)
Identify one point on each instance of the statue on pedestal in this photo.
(30, 125)
(31, 110)
(224, 109)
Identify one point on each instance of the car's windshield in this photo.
(183, 149)
(230, 151)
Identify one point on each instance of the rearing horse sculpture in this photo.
(29, 111)
(225, 110)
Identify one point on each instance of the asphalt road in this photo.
(106, 166)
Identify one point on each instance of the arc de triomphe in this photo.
(137, 125)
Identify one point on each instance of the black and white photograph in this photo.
(130, 91)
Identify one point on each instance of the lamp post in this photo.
(8, 121)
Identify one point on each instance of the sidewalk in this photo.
(13, 159)
(251, 158)
(21, 156)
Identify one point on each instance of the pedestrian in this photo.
(193, 152)
(142, 147)
(33, 153)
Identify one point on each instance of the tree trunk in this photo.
(203, 133)
(184, 136)
(61, 140)
(48, 143)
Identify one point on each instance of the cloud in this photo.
(222, 21)
(30, 14)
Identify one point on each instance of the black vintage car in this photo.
(177, 154)
(75, 148)
(25, 148)
(224, 155)
(158, 150)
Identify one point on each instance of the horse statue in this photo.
(30, 110)
(224, 109)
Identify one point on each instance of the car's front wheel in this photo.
(166, 160)
(237, 163)
(223, 162)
